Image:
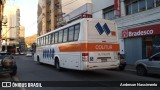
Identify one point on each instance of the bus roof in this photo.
(75, 22)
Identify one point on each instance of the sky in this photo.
(28, 12)
(28, 15)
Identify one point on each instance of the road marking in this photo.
(15, 78)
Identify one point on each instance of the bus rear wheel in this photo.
(57, 65)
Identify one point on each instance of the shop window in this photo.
(142, 5)
(156, 44)
(151, 45)
(135, 7)
(157, 3)
(150, 4)
(147, 47)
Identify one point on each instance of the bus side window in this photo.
(41, 41)
(65, 35)
(56, 37)
(71, 32)
(60, 36)
(44, 40)
(76, 32)
(52, 38)
(38, 42)
(49, 39)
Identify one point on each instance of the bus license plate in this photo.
(104, 60)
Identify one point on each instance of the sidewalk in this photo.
(130, 68)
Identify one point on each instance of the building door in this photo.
(133, 50)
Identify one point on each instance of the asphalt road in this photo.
(28, 70)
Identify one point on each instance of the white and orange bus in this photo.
(85, 44)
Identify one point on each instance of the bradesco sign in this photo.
(141, 31)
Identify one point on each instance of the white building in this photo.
(76, 14)
(138, 24)
(10, 30)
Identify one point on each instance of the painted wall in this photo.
(101, 4)
(98, 14)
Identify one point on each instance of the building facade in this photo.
(138, 25)
(11, 30)
(22, 31)
(77, 14)
(22, 45)
(2, 3)
(49, 15)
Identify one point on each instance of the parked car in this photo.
(149, 65)
(122, 62)
(22, 53)
(28, 53)
(7, 64)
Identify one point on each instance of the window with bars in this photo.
(157, 3)
(109, 15)
(150, 4)
(142, 5)
(135, 6)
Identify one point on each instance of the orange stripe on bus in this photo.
(82, 47)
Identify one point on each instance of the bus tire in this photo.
(57, 65)
(38, 60)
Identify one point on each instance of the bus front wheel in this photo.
(38, 60)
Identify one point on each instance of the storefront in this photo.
(141, 42)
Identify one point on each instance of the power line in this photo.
(8, 30)
(69, 3)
